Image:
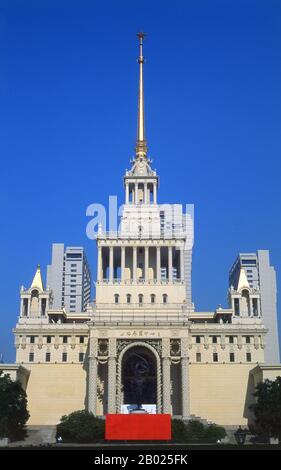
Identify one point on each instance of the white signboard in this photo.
(126, 409)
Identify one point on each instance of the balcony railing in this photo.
(142, 235)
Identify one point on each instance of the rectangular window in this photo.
(32, 339)
(81, 357)
(248, 339)
(236, 307)
(231, 339)
(64, 357)
(31, 357)
(81, 339)
(64, 339)
(231, 357)
(74, 255)
(48, 357)
(249, 261)
(49, 339)
(198, 357)
(214, 339)
(215, 357)
(248, 357)
(198, 339)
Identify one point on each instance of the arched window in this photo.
(129, 298)
(245, 303)
(140, 299)
(116, 298)
(165, 298)
(152, 298)
(34, 305)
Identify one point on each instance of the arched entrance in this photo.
(139, 376)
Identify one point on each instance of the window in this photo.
(198, 339)
(72, 296)
(165, 298)
(73, 270)
(248, 357)
(64, 357)
(81, 357)
(152, 297)
(81, 339)
(231, 357)
(73, 265)
(48, 357)
(140, 299)
(31, 357)
(64, 339)
(231, 339)
(198, 357)
(236, 307)
(116, 298)
(255, 307)
(129, 298)
(249, 261)
(248, 339)
(32, 339)
(215, 357)
(74, 255)
(214, 339)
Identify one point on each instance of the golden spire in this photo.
(141, 148)
(37, 280)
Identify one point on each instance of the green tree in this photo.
(81, 426)
(267, 409)
(13, 409)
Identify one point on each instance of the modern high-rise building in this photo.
(261, 277)
(69, 278)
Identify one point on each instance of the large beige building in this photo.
(141, 342)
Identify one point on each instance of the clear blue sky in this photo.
(68, 99)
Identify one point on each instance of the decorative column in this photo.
(21, 307)
(146, 262)
(92, 376)
(111, 263)
(99, 263)
(112, 389)
(182, 264)
(134, 263)
(136, 193)
(39, 306)
(123, 253)
(185, 378)
(154, 194)
(259, 307)
(145, 192)
(166, 374)
(170, 263)
(127, 193)
(158, 263)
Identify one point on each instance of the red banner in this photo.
(138, 427)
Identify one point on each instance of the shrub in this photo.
(13, 409)
(178, 430)
(213, 433)
(81, 426)
(195, 431)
